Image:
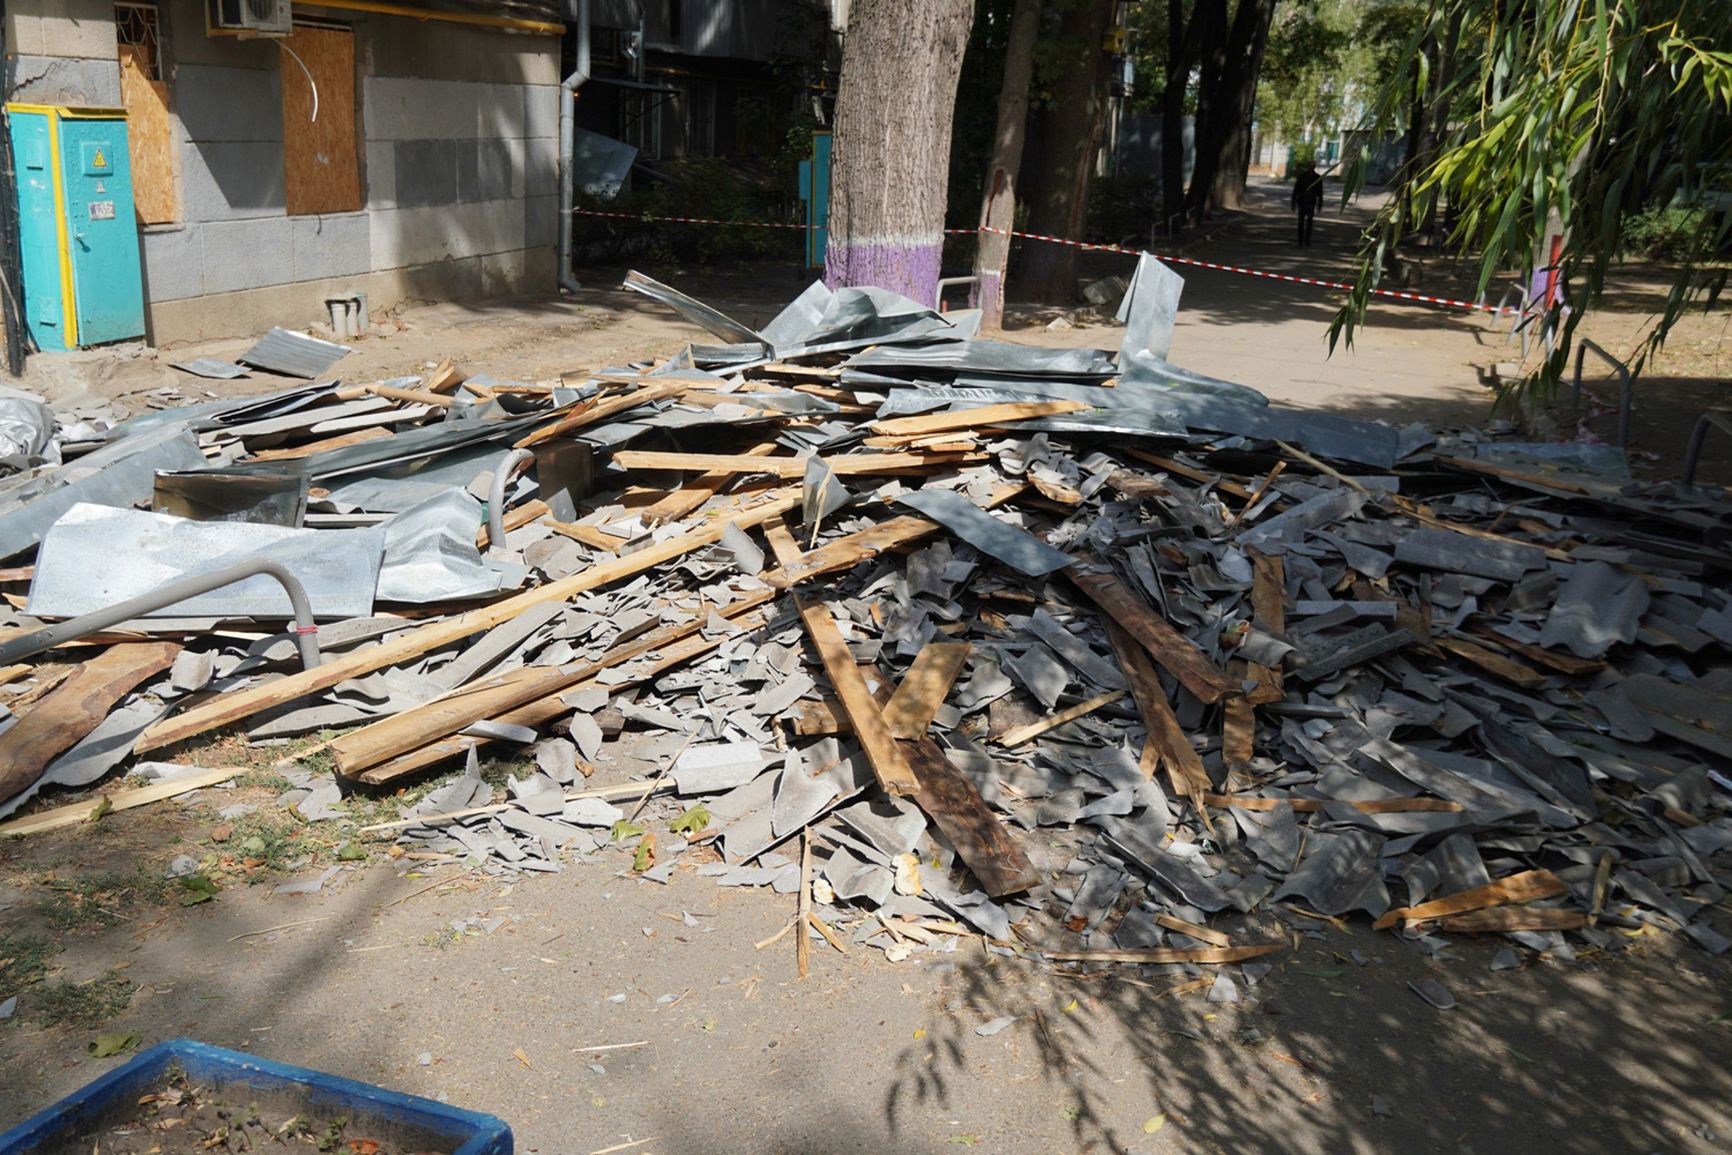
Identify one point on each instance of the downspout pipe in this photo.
(568, 145)
(515, 462)
(305, 630)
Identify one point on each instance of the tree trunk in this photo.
(1209, 19)
(891, 161)
(998, 205)
(1224, 158)
(1182, 43)
(1071, 134)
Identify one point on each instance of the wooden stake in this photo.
(924, 687)
(1023, 734)
(889, 764)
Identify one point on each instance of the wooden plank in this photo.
(1025, 734)
(685, 501)
(79, 812)
(924, 687)
(1191, 473)
(74, 708)
(415, 396)
(150, 141)
(1312, 805)
(1539, 655)
(600, 409)
(783, 547)
(228, 708)
(9, 674)
(1207, 934)
(850, 550)
(1167, 743)
(321, 169)
(1510, 918)
(1173, 650)
(889, 763)
(980, 417)
(590, 535)
(1238, 731)
(1256, 495)
(1269, 605)
(1505, 473)
(1203, 954)
(947, 795)
(845, 464)
(18, 573)
(1506, 669)
(492, 696)
(1523, 887)
(811, 719)
(341, 441)
(549, 708)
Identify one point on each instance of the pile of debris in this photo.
(1075, 651)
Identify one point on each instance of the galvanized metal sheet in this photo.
(1012, 546)
(95, 556)
(211, 367)
(293, 354)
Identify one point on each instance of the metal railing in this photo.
(1720, 419)
(1626, 382)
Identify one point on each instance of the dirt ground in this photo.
(392, 974)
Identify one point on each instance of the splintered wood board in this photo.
(1173, 650)
(889, 763)
(911, 708)
(979, 417)
(845, 464)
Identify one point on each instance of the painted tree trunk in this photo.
(1070, 134)
(891, 160)
(1182, 45)
(998, 205)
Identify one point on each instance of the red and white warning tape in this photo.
(1395, 294)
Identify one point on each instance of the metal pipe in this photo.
(1708, 420)
(514, 463)
(568, 145)
(1626, 397)
(305, 630)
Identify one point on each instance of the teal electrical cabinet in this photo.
(78, 238)
(815, 191)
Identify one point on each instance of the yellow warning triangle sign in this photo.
(100, 161)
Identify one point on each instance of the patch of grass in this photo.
(23, 961)
(267, 840)
(87, 902)
(264, 779)
(84, 1006)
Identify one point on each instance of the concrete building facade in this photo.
(424, 164)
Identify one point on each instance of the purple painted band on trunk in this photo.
(911, 270)
(987, 289)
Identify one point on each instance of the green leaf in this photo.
(624, 829)
(351, 852)
(693, 821)
(199, 888)
(115, 1043)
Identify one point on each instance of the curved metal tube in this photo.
(306, 632)
(509, 468)
(568, 145)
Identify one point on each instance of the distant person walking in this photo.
(1307, 195)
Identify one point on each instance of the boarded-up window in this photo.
(144, 95)
(321, 172)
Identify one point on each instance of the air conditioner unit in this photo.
(259, 17)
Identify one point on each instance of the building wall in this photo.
(457, 136)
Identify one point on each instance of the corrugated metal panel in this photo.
(293, 354)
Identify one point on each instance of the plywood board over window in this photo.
(321, 170)
(149, 131)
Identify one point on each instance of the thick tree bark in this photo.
(1182, 45)
(1209, 20)
(1071, 131)
(1222, 157)
(891, 161)
(998, 205)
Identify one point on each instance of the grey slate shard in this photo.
(854, 878)
(293, 354)
(213, 368)
(821, 493)
(1375, 644)
(1224, 990)
(1082, 657)
(1095, 898)
(991, 535)
(1339, 873)
(707, 769)
(75, 574)
(988, 1029)
(1433, 992)
(1040, 674)
(1137, 843)
(1597, 607)
(1453, 552)
(747, 555)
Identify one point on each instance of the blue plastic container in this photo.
(407, 1120)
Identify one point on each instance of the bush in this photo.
(1674, 233)
(693, 187)
(1123, 209)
